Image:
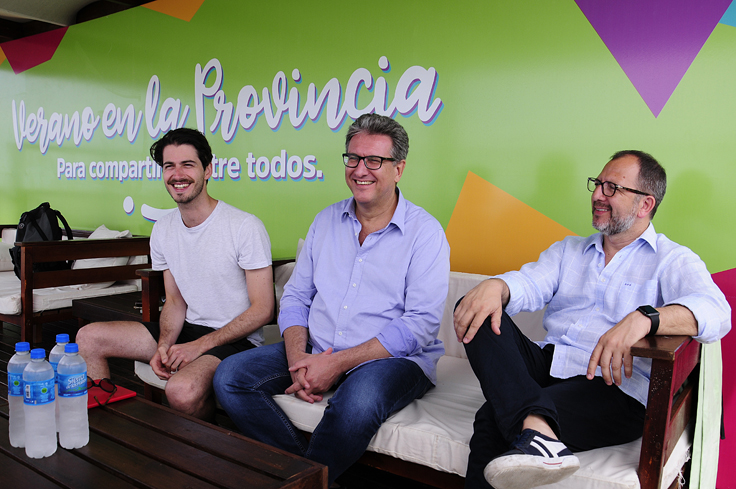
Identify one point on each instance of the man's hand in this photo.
(486, 299)
(169, 359)
(300, 387)
(158, 363)
(321, 371)
(179, 356)
(614, 348)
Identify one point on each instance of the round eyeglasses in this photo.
(372, 162)
(609, 188)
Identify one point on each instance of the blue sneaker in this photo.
(534, 460)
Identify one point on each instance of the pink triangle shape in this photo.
(28, 52)
(654, 41)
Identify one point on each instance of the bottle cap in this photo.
(22, 346)
(38, 353)
(62, 338)
(71, 348)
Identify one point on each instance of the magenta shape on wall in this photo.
(726, 280)
(654, 41)
(28, 52)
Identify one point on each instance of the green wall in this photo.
(532, 101)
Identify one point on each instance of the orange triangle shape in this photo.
(492, 232)
(2, 56)
(181, 9)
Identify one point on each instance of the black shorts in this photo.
(191, 332)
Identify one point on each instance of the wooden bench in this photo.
(671, 402)
(48, 251)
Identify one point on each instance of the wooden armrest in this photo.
(660, 347)
(152, 288)
(148, 273)
(669, 404)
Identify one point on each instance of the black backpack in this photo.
(40, 224)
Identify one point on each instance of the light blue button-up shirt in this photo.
(392, 288)
(586, 297)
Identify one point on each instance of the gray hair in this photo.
(381, 125)
(652, 177)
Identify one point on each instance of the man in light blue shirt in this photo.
(360, 313)
(603, 293)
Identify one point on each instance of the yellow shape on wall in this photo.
(492, 232)
(181, 9)
(2, 56)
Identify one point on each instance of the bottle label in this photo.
(40, 392)
(72, 385)
(55, 365)
(15, 384)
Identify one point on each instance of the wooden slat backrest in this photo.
(50, 251)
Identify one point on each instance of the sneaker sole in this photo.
(527, 471)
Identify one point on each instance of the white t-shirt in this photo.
(208, 262)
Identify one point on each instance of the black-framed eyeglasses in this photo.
(106, 385)
(372, 162)
(609, 188)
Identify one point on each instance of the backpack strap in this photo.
(66, 225)
(38, 228)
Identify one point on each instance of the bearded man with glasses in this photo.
(359, 315)
(580, 389)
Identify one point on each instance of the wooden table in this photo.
(136, 443)
(118, 307)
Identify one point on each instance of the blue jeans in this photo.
(363, 400)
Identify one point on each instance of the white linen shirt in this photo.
(585, 297)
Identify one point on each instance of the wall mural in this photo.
(497, 92)
(509, 106)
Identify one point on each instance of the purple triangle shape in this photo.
(654, 41)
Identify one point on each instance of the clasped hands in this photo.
(169, 359)
(313, 374)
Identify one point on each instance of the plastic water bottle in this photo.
(39, 404)
(16, 365)
(56, 354)
(72, 401)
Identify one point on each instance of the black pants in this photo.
(514, 376)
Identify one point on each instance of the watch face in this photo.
(648, 310)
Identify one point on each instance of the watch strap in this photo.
(653, 316)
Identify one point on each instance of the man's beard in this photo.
(617, 224)
(195, 190)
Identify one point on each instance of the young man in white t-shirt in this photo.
(216, 261)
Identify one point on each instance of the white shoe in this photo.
(534, 460)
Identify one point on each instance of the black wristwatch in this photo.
(653, 315)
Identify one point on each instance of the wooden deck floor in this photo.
(121, 372)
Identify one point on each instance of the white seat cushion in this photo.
(435, 431)
(8, 235)
(460, 284)
(145, 373)
(113, 261)
(6, 262)
(49, 298)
